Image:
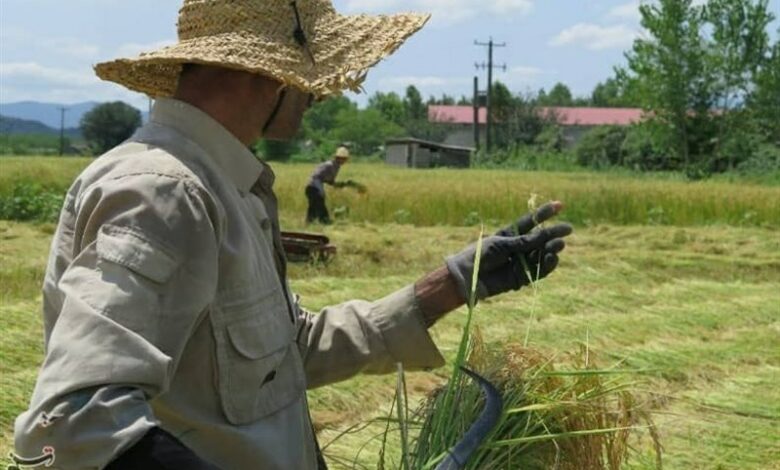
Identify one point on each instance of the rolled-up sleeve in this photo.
(368, 337)
(143, 271)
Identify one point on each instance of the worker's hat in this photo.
(342, 152)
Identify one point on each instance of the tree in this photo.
(668, 69)
(366, 129)
(765, 100)
(415, 108)
(560, 95)
(109, 124)
(320, 119)
(390, 106)
(737, 51)
(611, 94)
(276, 150)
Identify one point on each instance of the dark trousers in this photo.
(317, 211)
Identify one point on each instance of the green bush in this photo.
(31, 144)
(765, 160)
(29, 201)
(550, 139)
(601, 147)
(528, 158)
(641, 151)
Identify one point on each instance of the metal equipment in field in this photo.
(302, 247)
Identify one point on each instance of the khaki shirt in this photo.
(165, 304)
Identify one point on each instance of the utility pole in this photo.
(489, 66)
(475, 103)
(62, 130)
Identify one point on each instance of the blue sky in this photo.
(48, 47)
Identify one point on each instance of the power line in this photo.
(63, 109)
(489, 66)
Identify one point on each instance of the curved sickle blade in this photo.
(478, 431)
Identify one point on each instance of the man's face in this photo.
(292, 104)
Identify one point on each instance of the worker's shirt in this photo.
(324, 173)
(165, 303)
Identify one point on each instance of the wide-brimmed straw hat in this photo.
(305, 44)
(342, 152)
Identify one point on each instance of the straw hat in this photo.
(305, 44)
(342, 152)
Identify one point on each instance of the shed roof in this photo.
(427, 143)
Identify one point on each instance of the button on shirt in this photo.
(165, 303)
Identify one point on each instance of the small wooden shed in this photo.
(416, 153)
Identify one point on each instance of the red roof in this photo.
(566, 116)
(455, 114)
(595, 116)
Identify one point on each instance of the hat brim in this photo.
(344, 48)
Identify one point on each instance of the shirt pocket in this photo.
(259, 367)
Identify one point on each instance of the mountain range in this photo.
(22, 116)
(12, 125)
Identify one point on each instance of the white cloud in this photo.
(32, 81)
(19, 39)
(627, 11)
(445, 12)
(510, 6)
(596, 37)
(525, 72)
(134, 49)
(32, 73)
(421, 82)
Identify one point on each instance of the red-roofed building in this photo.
(574, 121)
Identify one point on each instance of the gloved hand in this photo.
(512, 258)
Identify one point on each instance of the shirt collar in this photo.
(232, 156)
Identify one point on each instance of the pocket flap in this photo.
(134, 250)
(257, 337)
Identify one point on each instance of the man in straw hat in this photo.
(172, 339)
(325, 173)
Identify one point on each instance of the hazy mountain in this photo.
(49, 113)
(12, 125)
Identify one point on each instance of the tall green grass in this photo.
(468, 197)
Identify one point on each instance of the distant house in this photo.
(574, 121)
(416, 153)
(460, 120)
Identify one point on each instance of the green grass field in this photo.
(688, 293)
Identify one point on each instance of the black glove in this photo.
(509, 262)
(159, 450)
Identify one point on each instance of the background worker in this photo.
(172, 339)
(325, 173)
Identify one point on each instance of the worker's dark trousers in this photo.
(317, 211)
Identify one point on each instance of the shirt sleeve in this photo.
(369, 337)
(144, 269)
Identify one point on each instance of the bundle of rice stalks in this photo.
(579, 418)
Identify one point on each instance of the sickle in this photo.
(487, 420)
(46, 460)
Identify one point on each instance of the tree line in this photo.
(706, 75)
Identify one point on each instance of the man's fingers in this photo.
(556, 245)
(537, 240)
(527, 222)
(544, 213)
(549, 263)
